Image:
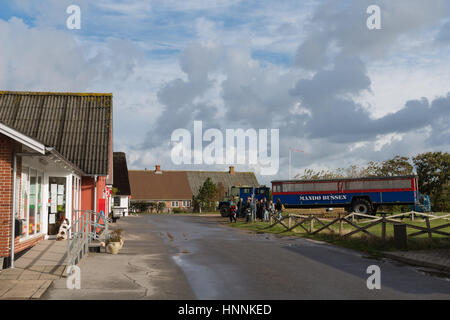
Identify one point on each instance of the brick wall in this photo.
(6, 147)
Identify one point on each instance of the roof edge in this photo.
(39, 93)
(22, 138)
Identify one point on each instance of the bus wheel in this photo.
(361, 206)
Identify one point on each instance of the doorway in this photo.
(57, 201)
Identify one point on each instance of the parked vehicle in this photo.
(361, 195)
(237, 192)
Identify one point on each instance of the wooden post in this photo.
(340, 224)
(353, 218)
(412, 216)
(290, 219)
(383, 227)
(430, 235)
(311, 225)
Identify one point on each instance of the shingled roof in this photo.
(77, 125)
(121, 181)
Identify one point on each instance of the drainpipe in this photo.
(13, 221)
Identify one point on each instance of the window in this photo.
(377, 184)
(277, 188)
(117, 201)
(322, 186)
(174, 203)
(30, 211)
(186, 203)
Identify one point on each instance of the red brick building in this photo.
(59, 145)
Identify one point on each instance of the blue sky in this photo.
(311, 68)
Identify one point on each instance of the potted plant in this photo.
(115, 241)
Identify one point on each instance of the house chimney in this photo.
(231, 170)
(158, 169)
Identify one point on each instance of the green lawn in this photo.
(359, 241)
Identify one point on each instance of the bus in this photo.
(360, 195)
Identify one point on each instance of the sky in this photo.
(336, 90)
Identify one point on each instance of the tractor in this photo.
(237, 192)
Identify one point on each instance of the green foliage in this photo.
(160, 207)
(433, 169)
(141, 206)
(206, 197)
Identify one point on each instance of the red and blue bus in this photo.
(361, 195)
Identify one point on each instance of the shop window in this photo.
(30, 207)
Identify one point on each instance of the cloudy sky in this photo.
(341, 92)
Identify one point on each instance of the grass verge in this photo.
(360, 242)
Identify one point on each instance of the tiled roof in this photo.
(167, 185)
(120, 173)
(181, 185)
(77, 125)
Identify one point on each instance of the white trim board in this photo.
(23, 139)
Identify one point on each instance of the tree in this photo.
(140, 206)
(433, 169)
(397, 166)
(206, 196)
(161, 206)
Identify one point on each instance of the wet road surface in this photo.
(220, 262)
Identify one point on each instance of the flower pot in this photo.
(113, 247)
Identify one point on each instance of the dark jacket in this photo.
(278, 206)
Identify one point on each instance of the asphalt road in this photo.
(201, 258)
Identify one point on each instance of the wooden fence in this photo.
(307, 222)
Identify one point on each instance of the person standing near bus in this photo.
(248, 209)
(241, 208)
(266, 209)
(232, 212)
(254, 208)
(261, 210)
(279, 208)
(271, 208)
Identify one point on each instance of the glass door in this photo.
(57, 199)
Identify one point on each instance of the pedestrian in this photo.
(241, 208)
(278, 208)
(248, 210)
(271, 208)
(232, 213)
(253, 205)
(266, 210)
(260, 210)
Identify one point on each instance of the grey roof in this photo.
(77, 125)
(121, 181)
(197, 178)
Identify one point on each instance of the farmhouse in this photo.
(176, 188)
(55, 159)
